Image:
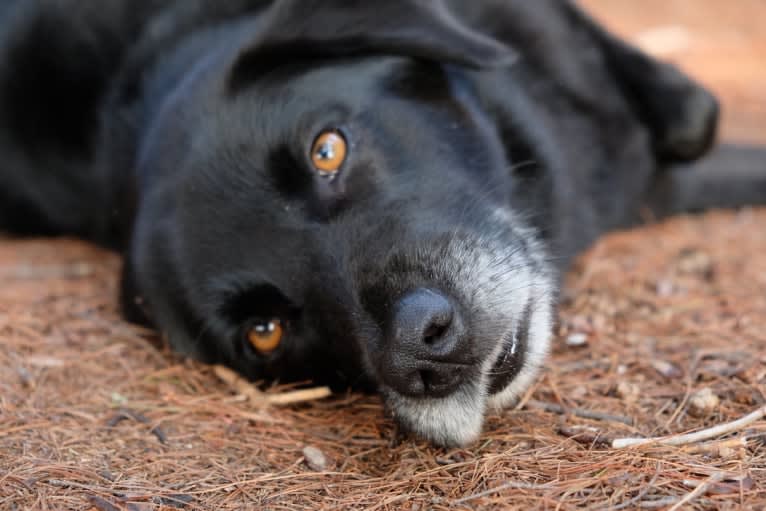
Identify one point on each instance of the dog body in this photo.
(486, 143)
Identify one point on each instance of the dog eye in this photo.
(329, 153)
(266, 336)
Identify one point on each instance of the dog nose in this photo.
(422, 352)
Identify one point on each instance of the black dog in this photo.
(370, 194)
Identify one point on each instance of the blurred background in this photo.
(722, 44)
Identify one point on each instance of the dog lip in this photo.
(435, 384)
(387, 392)
(512, 357)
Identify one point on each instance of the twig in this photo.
(699, 436)
(643, 493)
(240, 385)
(511, 485)
(698, 491)
(126, 414)
(654, 504)
(579, 412)
(585, 435)
(299, 396)
(102, 504)
(23, 427)
(583, 365)
(526, 397)
(259, 398)
(718, 447)
(60, 483)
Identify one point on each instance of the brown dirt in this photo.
(93, 415)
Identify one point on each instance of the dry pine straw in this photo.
(93, 415)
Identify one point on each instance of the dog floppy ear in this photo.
(681, 115)
(424, 29)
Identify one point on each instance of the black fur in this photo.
(490, 141)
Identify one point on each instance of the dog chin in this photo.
(454, 420)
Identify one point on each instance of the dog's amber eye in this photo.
(329, 153)
(265, 337)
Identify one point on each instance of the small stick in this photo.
(76, 486)
(102, 504)
(699, 436)
(126, 414)
(526, 397)
(643, 493)
(603, 363)
(716, 447)
(588, 436)
(32, 425)
(511, 485)
(655, 504)
(698, 491)
(236, 382)
(299, 396)
(579, 412)
(248, 390)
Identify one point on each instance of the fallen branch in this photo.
(698, 436)
(579, 412)
(259, 398)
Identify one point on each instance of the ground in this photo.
(661, 333)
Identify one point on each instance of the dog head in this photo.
(323, 197)
(331, 204)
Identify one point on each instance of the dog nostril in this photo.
(434, 332)
(425, 378)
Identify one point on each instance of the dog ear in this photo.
(682, 116)
(424, 29)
